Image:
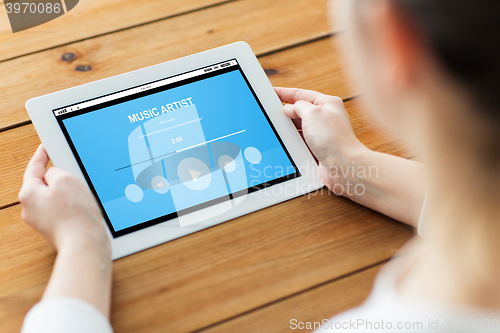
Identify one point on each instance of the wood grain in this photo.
(254, 21)
(293, 67)
(89, 18)
(16, 152)
(249, 274)
(311, 306)
(313, 66)
(216, 274)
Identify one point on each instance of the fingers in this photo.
(36, 167)
(293, 95)
(289, 111)
(54, 174)
(299, 110)
(33, 176)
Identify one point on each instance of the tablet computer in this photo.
(177, 147)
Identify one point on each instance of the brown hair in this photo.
(465, 37)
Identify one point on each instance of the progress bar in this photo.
(177, 151)
(199, 144)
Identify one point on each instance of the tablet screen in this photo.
(174, 146)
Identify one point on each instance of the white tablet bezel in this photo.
(41, 109)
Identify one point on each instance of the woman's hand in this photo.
(64, 211)
(326, 129)
(59, 206)
(391, 185)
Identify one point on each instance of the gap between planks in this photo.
(277, 301)
(258, 55)
(121, 29)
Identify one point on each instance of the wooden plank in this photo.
(310, 306)
(288, 71)
(213, 275)
(297, 67)
(254, 21)
(90, 18)
(316, 66)
(19, 144)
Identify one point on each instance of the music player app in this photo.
(175, 146)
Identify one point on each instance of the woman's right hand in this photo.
(326, 129)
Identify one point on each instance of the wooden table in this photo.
(305, 259)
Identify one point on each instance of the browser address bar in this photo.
(145, 87)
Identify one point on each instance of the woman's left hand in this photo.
(59, 206)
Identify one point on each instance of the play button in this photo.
(194, 174)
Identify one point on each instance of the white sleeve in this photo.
(62, 315)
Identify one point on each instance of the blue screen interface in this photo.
(179, 144)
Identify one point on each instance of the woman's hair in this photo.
(464, 35)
